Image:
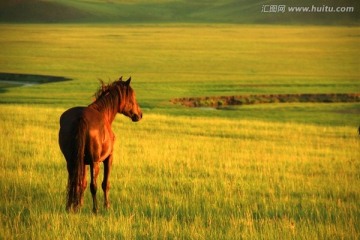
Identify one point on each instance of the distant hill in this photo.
(185, 11)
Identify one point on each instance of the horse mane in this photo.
(106, 88)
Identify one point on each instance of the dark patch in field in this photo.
(30, 78)
(348, 111)
(9, 80)
(223, 101)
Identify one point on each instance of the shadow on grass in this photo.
(30, 78)
(9, 80)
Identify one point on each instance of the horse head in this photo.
(129, 106)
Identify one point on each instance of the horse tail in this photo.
(76, 168)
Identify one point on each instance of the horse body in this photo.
(99, 133)
(86, 138)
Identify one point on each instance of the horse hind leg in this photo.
(84, 185)
(70, 188)
(106, 183)
(94, 171)
(68, 197)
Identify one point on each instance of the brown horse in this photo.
(86, 138)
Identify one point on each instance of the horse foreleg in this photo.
(106, 183)
(94, 171)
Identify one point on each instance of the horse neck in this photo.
(107, 105)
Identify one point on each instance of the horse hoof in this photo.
(72, 209)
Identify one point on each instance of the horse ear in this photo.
(128, 81)
(120, 78)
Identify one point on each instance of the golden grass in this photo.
(186, 177)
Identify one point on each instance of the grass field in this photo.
(269, 171)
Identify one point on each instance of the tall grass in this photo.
(185, 177)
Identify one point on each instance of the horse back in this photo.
(70, 116)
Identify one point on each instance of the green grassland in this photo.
(265, 171)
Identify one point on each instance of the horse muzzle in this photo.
(136, 117)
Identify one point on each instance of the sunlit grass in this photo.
(186, 177)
